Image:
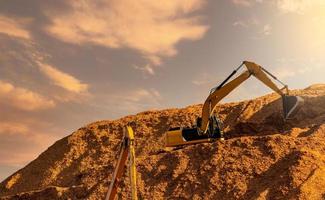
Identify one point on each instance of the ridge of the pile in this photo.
(262, 158)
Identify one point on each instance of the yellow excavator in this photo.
(127, 154)
(208, 126)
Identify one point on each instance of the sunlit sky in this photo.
(67, 63)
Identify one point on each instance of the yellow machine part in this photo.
(206, 132)
(127, 153)
(174, 138)
(132, 164)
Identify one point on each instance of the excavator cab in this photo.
(209, 128)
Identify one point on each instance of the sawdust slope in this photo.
(262, 158)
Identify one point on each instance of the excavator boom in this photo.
(208, 127)
(127, 152)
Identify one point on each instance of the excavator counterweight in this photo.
(208, 127)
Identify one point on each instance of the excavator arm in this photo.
(208, 126)
(216, 96)
(223, 90)
(127, 153)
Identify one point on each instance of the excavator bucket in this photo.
(291, 104)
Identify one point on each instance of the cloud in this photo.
(267, 29)
(22, 60)
(129, 101)
(22, 98)
(242, 2)
(246, 3)
(288, 68)
(262, 30)
(247, 23)
(139, 99)
(14, 27)
(292, 72)
(240, 23)
(205, 79)
(8, 128)
(151, 27)
(62, 79)
(142, 94)
(298, 6)
(147, 69)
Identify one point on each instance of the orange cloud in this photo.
(22, 98)
(152, 27)
(14, 27)
(62, 79)
(7, 128)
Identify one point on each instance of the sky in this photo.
(66, 63)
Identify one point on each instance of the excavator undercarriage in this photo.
(209, 128)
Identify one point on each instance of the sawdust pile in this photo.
(262, 158)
